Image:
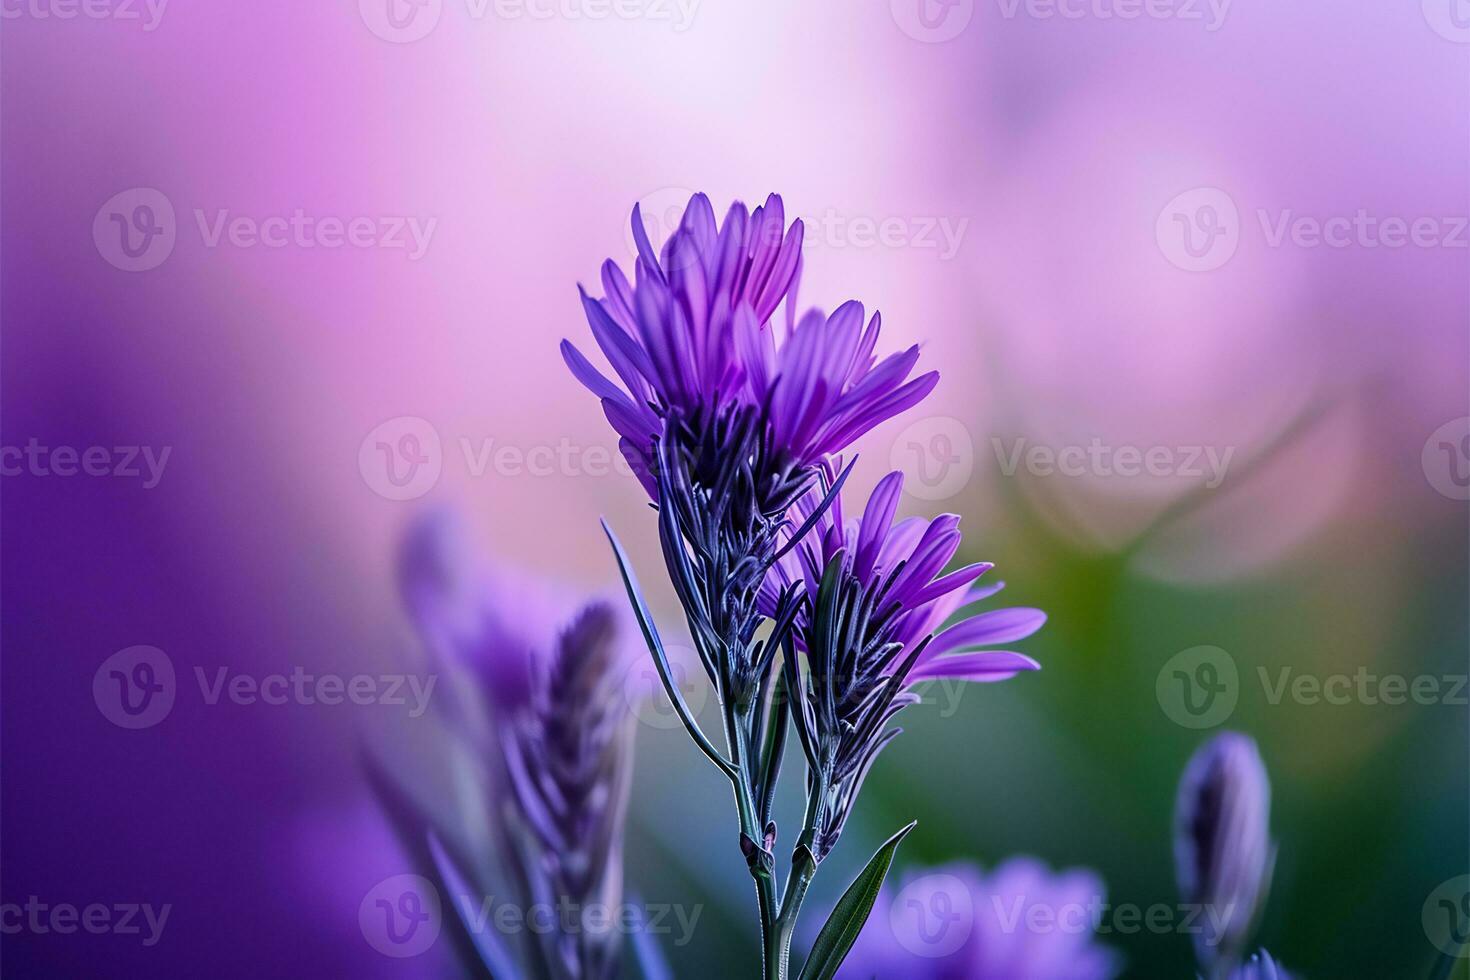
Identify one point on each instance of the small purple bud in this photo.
(1223, 851)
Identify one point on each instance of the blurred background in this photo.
(1195, 275)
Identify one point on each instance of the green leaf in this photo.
(847, 919)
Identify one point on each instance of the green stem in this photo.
(737, 736)
(803, 870)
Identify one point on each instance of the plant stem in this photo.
(737, 737)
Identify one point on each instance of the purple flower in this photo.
(557, 736)
(1020, 922)
(1223, 852)
(692, 342)
(876, 602)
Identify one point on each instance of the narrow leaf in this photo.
(847, 919)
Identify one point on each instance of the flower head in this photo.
(691, 340)
(1223, 852)
(876, 601)
(957, 923)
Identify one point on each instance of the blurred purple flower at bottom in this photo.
(1260, 967)
(1020, 922)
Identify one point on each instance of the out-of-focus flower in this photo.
(691, 340)
(875, 604)
(1260, 967)
(1020, 922)
(558, 759)
(1223, 851)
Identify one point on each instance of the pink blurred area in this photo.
(1048, 146)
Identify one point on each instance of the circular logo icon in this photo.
(936, 456)
(135, 230)
(659, 212)
(400, 21)
(932, 21)
(135, 687)
(1198, 687)
(1199, 230)
(400, 916)
(1449, 18)
(1446, 917)
(933, 915)
(645, 693)
(401, 459)
(1446, 459)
